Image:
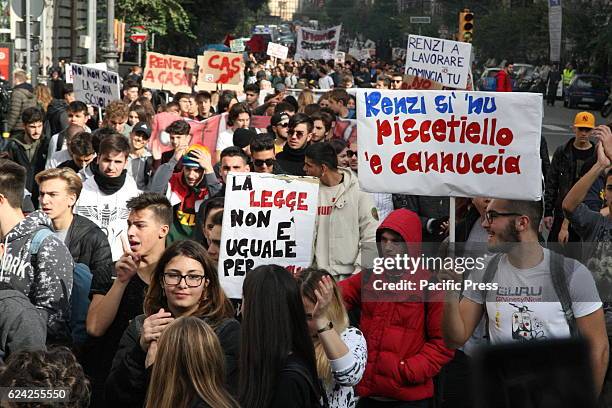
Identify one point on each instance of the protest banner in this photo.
(97, 65)
(443, 61)
(220, 69)
(340, 57)
(203, 132)
(94, 86)
(277, 51)
(412, 82)
(450, 143)
(238, 44)
(169, 73)
(317, 44)
(267, 219)
(398, 53)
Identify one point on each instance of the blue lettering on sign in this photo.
(375, 103)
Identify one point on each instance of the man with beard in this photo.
(104, 196)
(556, 297)
(186, 189)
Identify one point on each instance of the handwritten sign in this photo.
(169, 73)
(97, 65)
(317, 44)
(267, 219)
(239, 44)
(412, 82)
(450, 143)
(443, 61)
(277, 50)
(94, 86)
(220, 69)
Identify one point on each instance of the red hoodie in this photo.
(405, 345)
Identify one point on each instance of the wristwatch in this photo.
(327, 327)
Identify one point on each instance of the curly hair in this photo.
(55, 368)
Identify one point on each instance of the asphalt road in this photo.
(557, 124)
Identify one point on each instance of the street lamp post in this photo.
(109, 49)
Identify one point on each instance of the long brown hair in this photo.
(309, 281)
(43, 95)
(189, 365)
(306, 97)
(214, 305)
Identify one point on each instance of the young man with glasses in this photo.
(291, 159)
(279, 128)
(113, 307)
(512, 232)
(263, 155)
(565, 170)
(396, 81)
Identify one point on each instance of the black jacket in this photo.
(292, 160)
(560, 179)
(57, 116)
(126, 385)
(88, 245)
(17, 153)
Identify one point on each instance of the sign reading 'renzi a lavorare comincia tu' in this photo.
(450, 143)
(443, 61)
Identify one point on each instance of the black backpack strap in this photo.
(488, 277)
(60, 141)
(560, 283)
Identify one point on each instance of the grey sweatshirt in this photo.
(22, 327)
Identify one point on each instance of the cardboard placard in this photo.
(94, 86)
(224, 70)
(169, 73)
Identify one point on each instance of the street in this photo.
(557, 124)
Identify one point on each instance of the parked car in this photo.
(586, 89)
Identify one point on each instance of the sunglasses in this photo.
(398, 81)
(283, 125)
(298, 133)
(350, 153)
(260, 163)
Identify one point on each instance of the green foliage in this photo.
(157, 16)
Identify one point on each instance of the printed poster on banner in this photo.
(450, 143)
(220, 69)
(169, 73)
(94, 86)
(267, 219)
(317, 44)
(277, 50)
(443, 61)
(340, 57)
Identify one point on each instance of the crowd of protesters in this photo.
(109, 280)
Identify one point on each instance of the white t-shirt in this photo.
(525, 305)
(58, 158)
(225, 139)
(326, 82)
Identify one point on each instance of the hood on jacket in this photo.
(25, 87)
(33, 222)
(407, 224)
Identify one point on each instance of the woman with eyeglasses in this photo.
(189, 371)
(277, 360)
(340, 350)
(184, 283)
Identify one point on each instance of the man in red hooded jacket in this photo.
(402, 328)
(503, 79)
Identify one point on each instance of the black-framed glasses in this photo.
(260, 163)
(491, 215)
(191, 280)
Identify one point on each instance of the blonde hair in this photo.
(43, 96)
(74, 184)
(116, 110)
(306, 98)
(309, 281)
(189, 365)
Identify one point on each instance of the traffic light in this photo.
(466, 26)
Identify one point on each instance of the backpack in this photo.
(316, 389)
(81, 284)
(559, 271)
